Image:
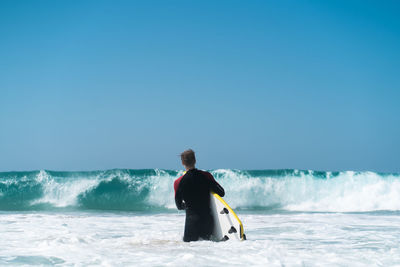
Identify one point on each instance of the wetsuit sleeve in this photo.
(176, 183)
(215, 187)
(179, 196)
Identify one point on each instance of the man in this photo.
(192, 193)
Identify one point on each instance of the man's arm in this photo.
(215, 187)
(180, 204)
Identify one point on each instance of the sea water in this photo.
(127, 217)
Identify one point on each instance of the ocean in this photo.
(126, 217)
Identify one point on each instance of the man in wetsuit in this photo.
(192, 193)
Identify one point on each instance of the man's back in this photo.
(192, 192)
(194, 188)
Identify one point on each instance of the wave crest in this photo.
(147, 190)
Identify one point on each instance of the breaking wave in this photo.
(152, 190)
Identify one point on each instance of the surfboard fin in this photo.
(224, 211)
(225, 238)
(232, 230)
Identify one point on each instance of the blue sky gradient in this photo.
(98, 84)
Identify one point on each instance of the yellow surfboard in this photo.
(227, 225)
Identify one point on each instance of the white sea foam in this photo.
(129, 239)
(62, 192)
(347, 192)
(161, 189)
(267, 190)
(275, 238)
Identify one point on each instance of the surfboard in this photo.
(227, 225)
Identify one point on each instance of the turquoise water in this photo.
(128, 217)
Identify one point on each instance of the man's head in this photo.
(188, 159)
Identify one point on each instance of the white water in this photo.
(294, 191)
(347, 192)
(120, 239)
(279, 215)
(65, 193)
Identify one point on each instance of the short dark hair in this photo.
(188, 158)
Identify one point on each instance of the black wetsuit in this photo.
(192, 193)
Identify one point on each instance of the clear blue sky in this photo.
(247, 84)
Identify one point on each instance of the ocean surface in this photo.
(128, 218)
